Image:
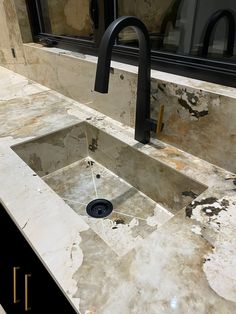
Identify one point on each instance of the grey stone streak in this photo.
(198, 122)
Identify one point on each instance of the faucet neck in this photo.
(142, 132)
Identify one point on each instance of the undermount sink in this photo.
(82, 163)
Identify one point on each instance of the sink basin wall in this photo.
(54, 151)
(150, 176)
(155, 179)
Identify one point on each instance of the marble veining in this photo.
(185, 265)
(82, 163)
(195, 111)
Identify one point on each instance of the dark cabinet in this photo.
(25, 284)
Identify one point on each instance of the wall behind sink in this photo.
(10, 37)
(199, 117)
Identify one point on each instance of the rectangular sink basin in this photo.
(82, 163)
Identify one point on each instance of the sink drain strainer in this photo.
(99, 208)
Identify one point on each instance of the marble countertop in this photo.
(185, 266)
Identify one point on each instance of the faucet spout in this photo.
(142, 122)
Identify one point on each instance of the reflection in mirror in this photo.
(179, 26)
(67, 18)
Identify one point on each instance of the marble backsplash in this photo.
(199, 118)
(198, 122)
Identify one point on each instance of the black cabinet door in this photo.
(25, 284)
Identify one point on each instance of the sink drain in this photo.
(99, 208)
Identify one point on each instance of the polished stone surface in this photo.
(199, 116)
(82, 163)
(186, 265)
(134, 215)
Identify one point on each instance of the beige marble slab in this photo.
(184, 266)
(199, 116)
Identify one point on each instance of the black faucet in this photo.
(143, 123)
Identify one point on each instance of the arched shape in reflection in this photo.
(170, 17)
(211, 24)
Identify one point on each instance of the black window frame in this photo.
(209, 70)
